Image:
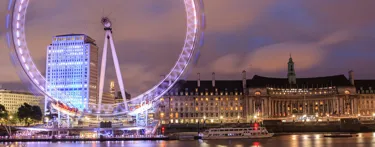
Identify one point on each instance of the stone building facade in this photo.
(219, 101)
(213, 101)
(320, 96)
(365, 90)
(12, 100)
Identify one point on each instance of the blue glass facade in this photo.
(72, 69)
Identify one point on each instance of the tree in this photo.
(28, 113)
(3, 113)
(37, 113)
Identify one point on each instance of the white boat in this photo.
(236, 133)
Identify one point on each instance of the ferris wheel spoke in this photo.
(15, 23)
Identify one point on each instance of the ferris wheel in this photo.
(22, 59)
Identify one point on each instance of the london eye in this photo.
(22, 59)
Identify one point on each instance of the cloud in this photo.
(149, 35)
(137, 78)
(335, 38)
(273, 58)
(226, 64)
(8, 73)
(234, 15)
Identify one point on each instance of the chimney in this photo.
(351, 77)
(244, 79)
(199, 79)
(213, 79)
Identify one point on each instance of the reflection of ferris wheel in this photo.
(16, 22)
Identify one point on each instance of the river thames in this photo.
(296, 140)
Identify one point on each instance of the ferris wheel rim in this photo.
(16, 37)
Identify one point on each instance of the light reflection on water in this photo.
(300, 140)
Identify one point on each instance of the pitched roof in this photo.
(206, 85)
(364, 84)
(336, 80)
(63, 35)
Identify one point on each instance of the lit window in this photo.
(258, 93)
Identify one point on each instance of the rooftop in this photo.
(15, 92)
(335, 80)
(206, 85)
(64, 35)
(364, 84)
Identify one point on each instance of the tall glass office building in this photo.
(72, 69)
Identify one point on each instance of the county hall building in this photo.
(231, 101)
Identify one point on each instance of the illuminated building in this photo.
(108, 98)
(269, 97)
(266, 97)
(12, 100)
(213, 101)
(112, 88)
(366, 91)
(118, 98)
(72, 69)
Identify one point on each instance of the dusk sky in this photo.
(324, 37)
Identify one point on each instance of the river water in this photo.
(297, 140)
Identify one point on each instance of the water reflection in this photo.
(296, 140)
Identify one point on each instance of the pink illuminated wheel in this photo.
(17, 43)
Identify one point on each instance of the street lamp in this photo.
(46, 119)
(10, 117)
